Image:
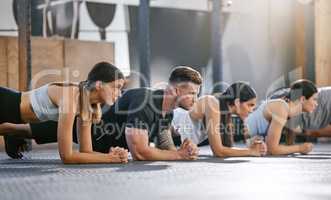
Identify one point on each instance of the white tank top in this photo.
(188, 128)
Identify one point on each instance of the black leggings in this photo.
(10, 101)
(46, 132)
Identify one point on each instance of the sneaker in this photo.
(15, 146)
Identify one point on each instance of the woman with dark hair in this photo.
(63, 102)
(272, 116)
(211, 118)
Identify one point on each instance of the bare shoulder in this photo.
(208, 100)
(203, 105)
(277, 109)
(278, 105)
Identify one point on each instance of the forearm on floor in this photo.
(284, 150)
(154, 154)
(86, 158)
(232, 152)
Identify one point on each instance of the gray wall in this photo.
(259, 44)
(177, 37)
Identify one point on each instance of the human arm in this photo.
(279, 115)
(138, 144)
(323, 132)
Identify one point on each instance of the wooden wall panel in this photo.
(47, 61)
(81, 56)
(323, 42)
(53, 59)
(13, 71)
(3, 61)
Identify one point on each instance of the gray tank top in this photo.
(256, 123)
(42, 105)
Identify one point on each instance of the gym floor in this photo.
(42, 176)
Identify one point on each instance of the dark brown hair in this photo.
(185, 74)
(104, 72)
(301, 88)
(238, 90)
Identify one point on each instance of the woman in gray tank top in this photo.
(273, 115)
(63, 102)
